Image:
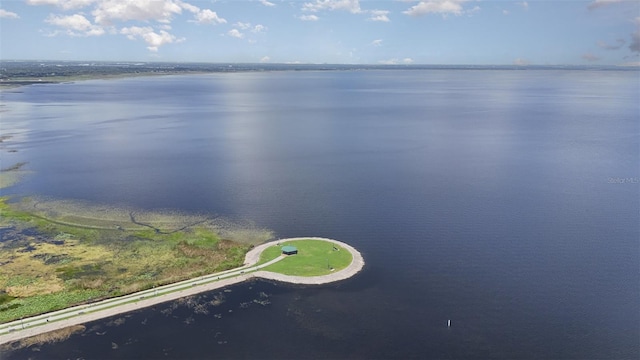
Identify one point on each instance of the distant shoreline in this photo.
(15, 84)
(16, 74)
(81, 314)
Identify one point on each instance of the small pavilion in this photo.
(289, 250)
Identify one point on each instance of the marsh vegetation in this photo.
(55, 254)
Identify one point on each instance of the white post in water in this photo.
(448, 323)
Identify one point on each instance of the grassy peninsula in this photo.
(314, 258)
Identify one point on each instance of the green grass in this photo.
(44, 303)
(269, 254)
(314, 258)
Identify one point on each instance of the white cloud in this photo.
(353, 6)
(191, 8)
(242, 26)
(604, 45)
(235, 33)
(396, 61)
(443, 7)
(590, 57)
(207, 16)
(601, 3)
(520, 62)
(265, 59)
(379, 15)
(266, 3)
(154, 40)
(259, 28)
(4, 14)
(108, 11)
(472, 11)
(308, 18)
(525, 5)
(134, 31)
(247, 26)
(64, 4)
(76, 25)
(377, 42)
(201, 16)
(505, 12)
(393, 61)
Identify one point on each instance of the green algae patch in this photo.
(314, 258)
(64, 253)
(12, 175)
(15, 172)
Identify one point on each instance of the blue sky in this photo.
(605, 32)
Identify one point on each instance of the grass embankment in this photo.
(62, 256)
(314, 258)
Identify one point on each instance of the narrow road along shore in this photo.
(76, 315)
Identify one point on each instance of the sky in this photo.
(454, 32)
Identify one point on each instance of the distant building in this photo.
(289, 250)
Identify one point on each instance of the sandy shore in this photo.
(81, 314)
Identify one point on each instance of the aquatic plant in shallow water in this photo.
(12, 174)
(46, 338)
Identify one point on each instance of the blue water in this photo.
(506, 201)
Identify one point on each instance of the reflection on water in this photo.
(483, 197)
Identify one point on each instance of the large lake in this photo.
(506, 201)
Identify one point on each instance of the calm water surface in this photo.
(506, 201)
